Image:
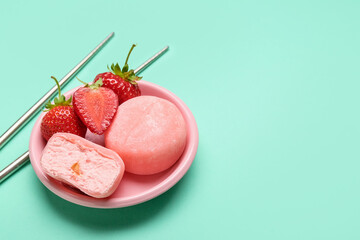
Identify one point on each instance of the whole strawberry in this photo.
(96, 106)
(121, 81)
(61, 117)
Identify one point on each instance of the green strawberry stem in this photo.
(86, 84)
(126, 66)
(127, 58)
(124, 72)
(58, 101)
(58, 85)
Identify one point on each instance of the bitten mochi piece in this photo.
(149, 133)
(91, 168)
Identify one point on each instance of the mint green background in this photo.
(274, 87)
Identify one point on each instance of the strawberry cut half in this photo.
(95, 106)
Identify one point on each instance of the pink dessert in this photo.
(91, 168)
(149, 133)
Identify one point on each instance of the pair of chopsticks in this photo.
(15, 165)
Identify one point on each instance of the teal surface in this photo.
(273, 85)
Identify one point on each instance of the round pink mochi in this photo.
(149, 134)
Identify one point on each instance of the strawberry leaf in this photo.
(58, 101)
(85, 84)
(97, 84)
(68, 102)
(125, 73)
(117, 68)
(125, 68)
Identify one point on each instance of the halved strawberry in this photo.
(96, 106)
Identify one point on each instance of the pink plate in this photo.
(133, 189)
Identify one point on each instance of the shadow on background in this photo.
(107, 219)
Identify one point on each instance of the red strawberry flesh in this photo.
(95, 107)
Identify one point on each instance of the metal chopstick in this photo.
(143, 66)
(37, 106)
(12, 167)
(20, 161)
